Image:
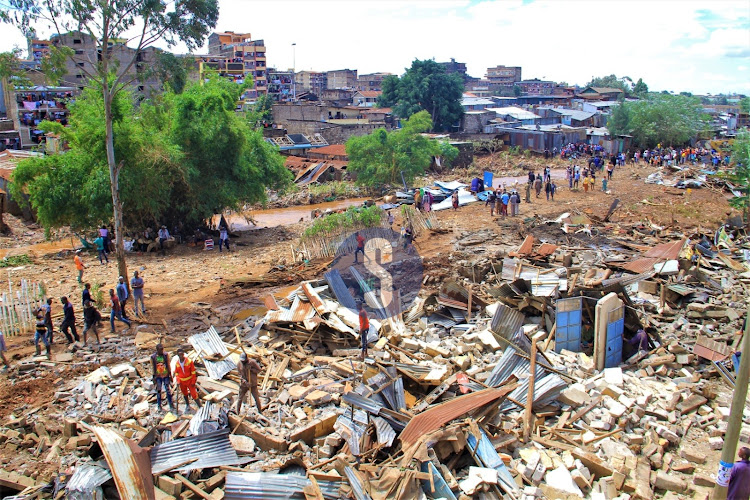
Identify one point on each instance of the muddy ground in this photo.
(187, 289)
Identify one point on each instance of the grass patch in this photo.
(335, 189)
(353, 218)
(15, 260)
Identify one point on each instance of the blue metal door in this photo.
(615, 327)
(568, 320)
(488, 176)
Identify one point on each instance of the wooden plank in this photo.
(192, 487)
(434, 394)
(577, 415)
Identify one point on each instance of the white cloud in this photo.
(671, 45)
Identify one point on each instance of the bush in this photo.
(353, 218)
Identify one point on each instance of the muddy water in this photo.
(284, 216)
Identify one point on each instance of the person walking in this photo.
(391, 219)
(48, 320)
(186, 377)
(162, 375)
(552, 189)
(80, 266)
(136, 285)
(538, 185)
(122, 295)
(91, 319)
(515, 199)
(249, 370)
(528, 192)
(454, 200)
(360, 247)
(116, 311)
(104, 235)
(69, 321)
(163, 236)
(739, 478)
(364, 329)
(491, 199)
(223, 238)
(41, 333)
(100, 250)
(547, 188)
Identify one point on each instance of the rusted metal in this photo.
(270, 302)
(641, 265)
(667, 251)
(525, 248)
(130, 465)
(317, 302)
(545, 250)
(434, 418)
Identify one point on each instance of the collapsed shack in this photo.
(513, 375)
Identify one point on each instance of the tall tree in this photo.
(640, 88)
(624, 83)
(380, 157)
(425, 86)
(740, 175)
(110, 23)
(672, 120)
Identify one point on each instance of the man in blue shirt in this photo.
(122, 295)
(136, 283)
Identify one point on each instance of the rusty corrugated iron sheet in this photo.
(642, 265)
(545, 250)
(437, 416)
(297, 313)
(314, 298)
(270, 302)
(454, 295)
(667, 251)
(525, 248)
(130, 464)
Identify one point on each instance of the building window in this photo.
(79, 75)
(80, 64)
(79, 52)
(77, 41)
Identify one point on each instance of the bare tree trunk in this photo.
(114, 178)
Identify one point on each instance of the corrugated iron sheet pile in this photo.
(447, 403)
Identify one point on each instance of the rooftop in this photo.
(515, 112)
(333, 149)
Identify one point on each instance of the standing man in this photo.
(122, 295)
(48, 320)
(538, 185)
(3, 348)
(528, 192)
(79, 265)
(91, 319)
(552, 189)
(69, 321)
(163, 236)
(162, 374)
(739, 478)
(41, 333)
(116, 311)
(223, 238)
(504, 200)
(186, 376)
(86, 294)
(491, 199)
(104, 235)
(360, 247)
(249, 370)
(101, 243)
(364, 328)
(136, 284)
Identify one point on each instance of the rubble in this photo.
(439, 407)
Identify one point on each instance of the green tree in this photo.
(108, 22)
(640, 88)
(517, 90)
(73, 188)
(740, 175)
(380, 157)
(745, 105)
(659, 118)
(10, 69)
(228, 164)
(425, 86)
(173, 71)
(614, 82)
(262, 110)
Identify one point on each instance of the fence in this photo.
(18, 308)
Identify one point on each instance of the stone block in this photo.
(664, 481)
(693, 456)
(317, 398)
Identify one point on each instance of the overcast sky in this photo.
(680, 45)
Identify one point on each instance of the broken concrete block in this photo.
(477, 477)
(575, 396)
(664, 481)
(562, 480)
(693, 456)
(317, 398)
(297, 392)
(702, 479)
(613, 376)
(716, 443)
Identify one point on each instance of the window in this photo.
(77, 41)
(140, 88)
(79, 75)
(79, 52)
(79, 64)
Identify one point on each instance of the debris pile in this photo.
(575, 365)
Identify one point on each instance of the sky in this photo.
(677, 45)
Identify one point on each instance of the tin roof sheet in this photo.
(439, 415)
(128, 464)
(206, 450)
(270, 486)
(667, 251)
(208, 345)
(87, 477)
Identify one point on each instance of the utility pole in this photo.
(735, 417)
(294, 72)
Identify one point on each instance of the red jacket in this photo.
(185, 374)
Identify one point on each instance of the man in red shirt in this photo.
(364, 328)
(360, 247)
(186, 376)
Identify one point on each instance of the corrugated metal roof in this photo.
(297, 313)
(351, 430)
(667, 251)
(545, 250)
(339, 289)
(384, 431)
(439, 415)
(640, 266)
(208, 345)
(358, 489)
(317, 302)
(546, 389)
(132, 473)
(202, 415)
(209, 450)
(525, 248)
(269, 486)
(87, 477)
(506, 321)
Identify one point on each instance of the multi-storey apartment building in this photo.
(312, 81)
(505, 76)
(238, 56)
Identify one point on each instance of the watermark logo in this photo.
(381, 268)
